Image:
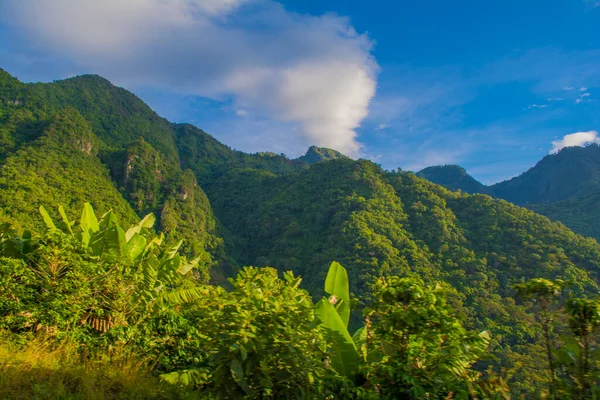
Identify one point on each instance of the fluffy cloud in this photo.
(315, 72)
(575, 139)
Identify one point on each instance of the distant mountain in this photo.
(563, 186)
(453, 177)
(572, 172)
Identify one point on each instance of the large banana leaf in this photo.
(47, 219)
(344, 356)
(88, 223)
(336, 284)
(136, 247)
(66, 221)
(110, 239)
(146, 222)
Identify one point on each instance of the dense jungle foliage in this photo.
(438, 301)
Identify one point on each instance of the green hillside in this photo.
(59, 167)
(84, 139)
(456, 255)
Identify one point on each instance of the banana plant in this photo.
(161, 269)
(105, 238)
(333, 313)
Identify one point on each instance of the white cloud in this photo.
(575, 139)
(382, 127)
(582, 89)
(568, 88)
(537, 106)
(582, 97)
(241, 113)
(315, 72)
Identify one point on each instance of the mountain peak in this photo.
(88, 78)
(314, 154)
(573, 171)
(452, 177)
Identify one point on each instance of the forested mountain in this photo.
(453, 177)
(83, 139)
(126, 147)
(562, 186)
(572, 172)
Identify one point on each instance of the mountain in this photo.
(453, 177)
(84, 139)
(315, 154)
(564, 187)
(572, 172)
(136, 163)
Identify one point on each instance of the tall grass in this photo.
(42, 370)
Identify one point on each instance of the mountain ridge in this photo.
(556, 186)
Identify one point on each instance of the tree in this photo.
(260, 340)
(422, 349)
(544, 293)
(584, 319)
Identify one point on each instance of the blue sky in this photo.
(490, 85)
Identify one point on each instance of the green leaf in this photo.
(110, 239)
(26, 239)
(187, 267)
(63, 215)
(136, 246)
(171, 252)
(47, 219)
(186, 377)
(237, 372)
(183, 296)
(344, 358)
(146, 222)
(88, 223)
(336, 284)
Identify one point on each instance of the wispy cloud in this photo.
(575, 139)
(582, 96)
(382, 127)
(315, 72)
(537, 106)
